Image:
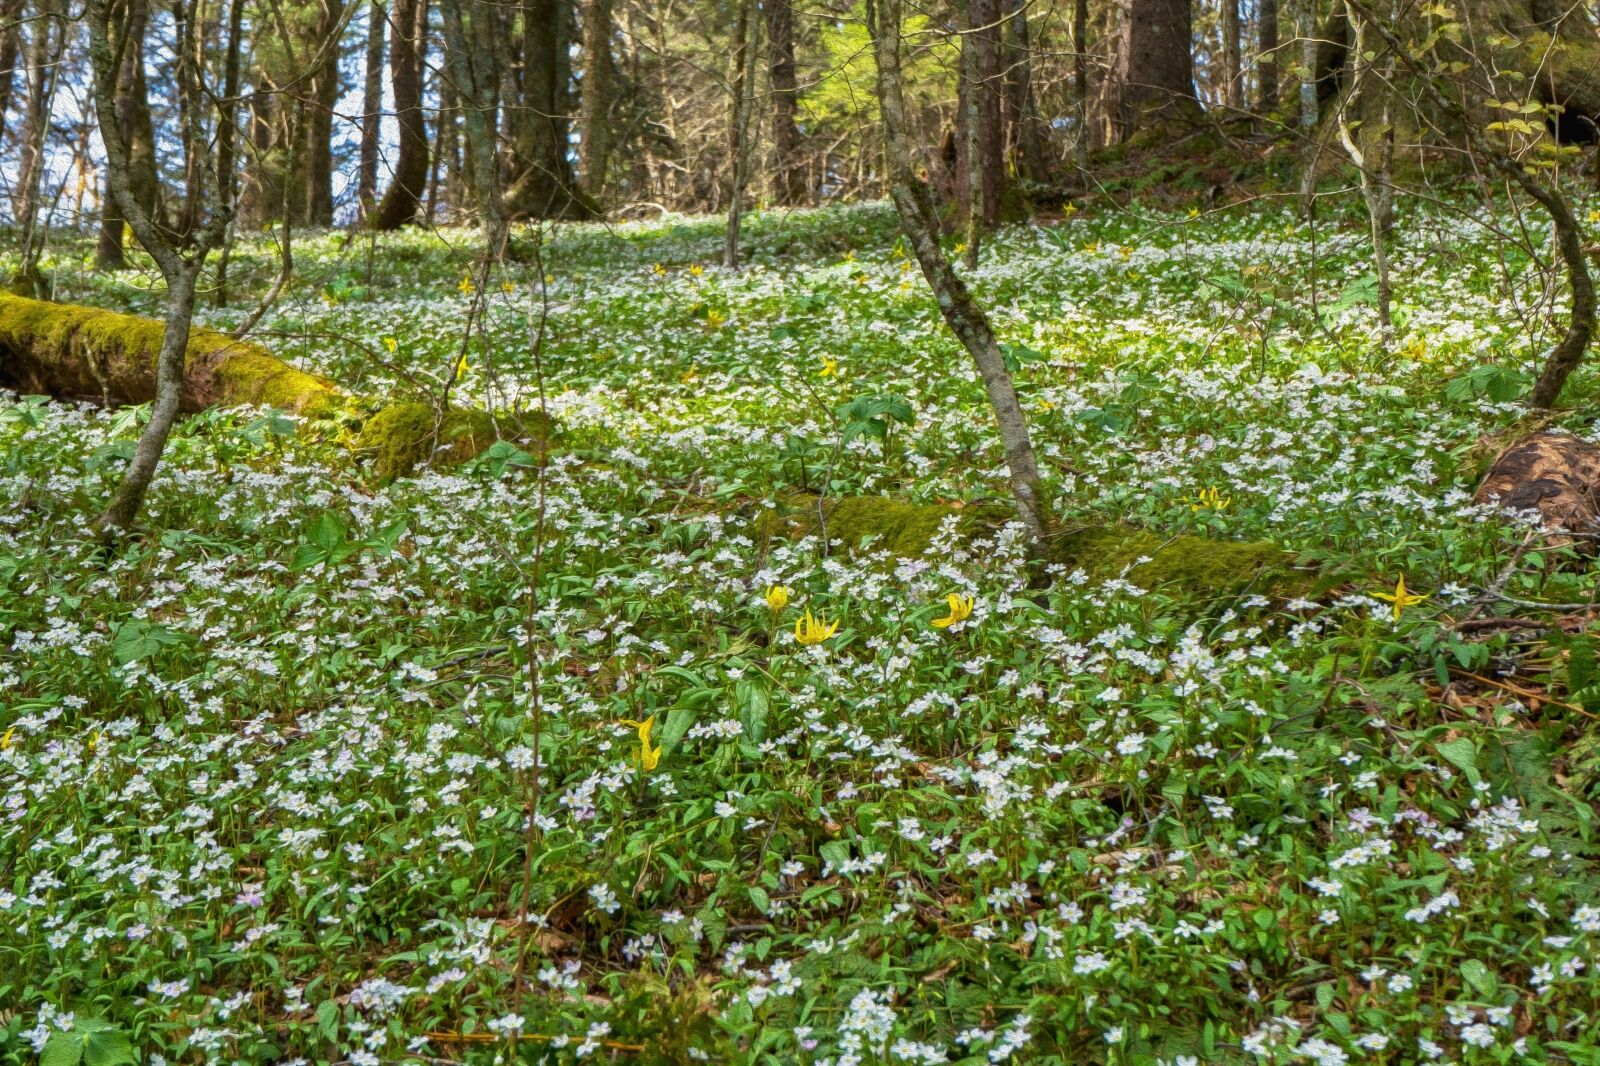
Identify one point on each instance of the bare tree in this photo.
(961, 312)
(179, 263)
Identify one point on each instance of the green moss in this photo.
(247, 374)
(899, 527)
(1181, 565)
(67, 349)
(399, 437)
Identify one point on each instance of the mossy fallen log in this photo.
(74, 352)
(1181, 565)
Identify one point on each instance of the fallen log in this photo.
(1182, 565)
(1556, 475)
(73, 352)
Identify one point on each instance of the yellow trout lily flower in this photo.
(1401, 597)
(649, 756)
(1210, 499)
(812, 630)
(391, 344)
(830, 367)
(5, 741)
(778, 597)
(467, 286)
(696, 270)
(960, 610)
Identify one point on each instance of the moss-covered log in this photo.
(73, 352)
(1182, 565)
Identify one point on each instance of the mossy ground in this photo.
(399, 438)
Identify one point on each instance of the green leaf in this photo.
(1480, 977)
(136, 639)
(328, 1019)
(108, 1047)
(754, 709)
(62, 1049)
(1461, 753)
(679, 719)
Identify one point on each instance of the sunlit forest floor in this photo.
(266, 770)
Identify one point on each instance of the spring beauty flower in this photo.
(960, 610)
(1401, 597)
(812, 630)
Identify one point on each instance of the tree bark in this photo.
(10, 49)
(1152, 81)
(45, 46)
(227, 141)
(1267, 56)
(1233, 85)
(471, 66)
(371, 109)
(1080, 79)
(1024, 144)
(961, 312)
(595, 111)
(408, 34)
(788, 174)
(133, 117)
(740, 105)
(317, 146)
(542, 184)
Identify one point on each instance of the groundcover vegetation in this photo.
(267, 768)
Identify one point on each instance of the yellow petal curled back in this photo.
(960, 610)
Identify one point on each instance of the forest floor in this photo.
(264, 772)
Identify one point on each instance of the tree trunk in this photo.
(595, 114)
(124, 506)
(741, 104)
(227, 139)
(317, 146)
(133, 118)
(1267, 56)
(1371, 162)
(371, 110)
(1024, 145)
(1306, 20)
(961, 312)
(1233, 85)
(471, 67)
(45, 45)
(408, 36)
(1152, 80)
(1080, 79)
(177, 270)
(788, 174)
(542, 184)
(10, 49)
